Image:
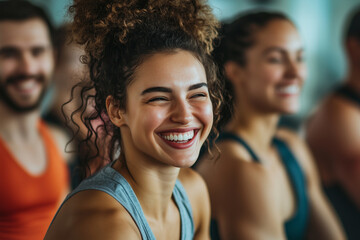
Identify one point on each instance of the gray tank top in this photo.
(113, 183)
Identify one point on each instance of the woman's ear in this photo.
(233, 72)
(116, 115)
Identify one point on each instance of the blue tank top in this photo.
(295, 227)
(113, 183)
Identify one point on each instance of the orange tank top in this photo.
(28, 203)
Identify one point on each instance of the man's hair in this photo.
(353, 24)
(20, 10)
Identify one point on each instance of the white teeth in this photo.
(292, 89)
(26, 85)
(179, 136)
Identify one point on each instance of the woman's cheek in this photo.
(153, 118)
(206, 114)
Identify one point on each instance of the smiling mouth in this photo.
(289, 90)
(179, 139)
(26, 86)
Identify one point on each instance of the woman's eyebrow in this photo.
(168, 90)
(278, 49)
(198, 85)
(156, 89)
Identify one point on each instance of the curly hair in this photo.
(236, 38)
(119, 35)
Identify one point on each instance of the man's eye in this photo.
(38, 51)
(8, 53)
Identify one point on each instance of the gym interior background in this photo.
(320, 23)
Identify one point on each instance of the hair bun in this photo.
(94, 19)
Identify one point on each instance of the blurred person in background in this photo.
(333, 134)
(264, 184)
(70, 70)
(33, 172)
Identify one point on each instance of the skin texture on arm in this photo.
(83, 217)
(334, 134)
(242, 197)
(323, 223)
(199, 199)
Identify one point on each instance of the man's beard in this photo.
(6, 98)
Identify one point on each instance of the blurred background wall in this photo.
(320, 23)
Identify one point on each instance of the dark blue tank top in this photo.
(348, 93)
(295, 227)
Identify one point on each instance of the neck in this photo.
(257, 128)
(152, 183)
(15, 127)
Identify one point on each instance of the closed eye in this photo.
(197, 95)
(157, 99)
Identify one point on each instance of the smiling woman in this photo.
(157, 93)
(169, 98)
(264, 185)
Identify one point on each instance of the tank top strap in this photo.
(349, 93)
(294, 227)
(113, 183)
(236, 138)
(186, 215)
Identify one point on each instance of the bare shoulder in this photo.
(93, 214)
(341, 112)
(334, 111)
(192, 182)
(336, 124)
(234, 165)
(230, 154)
(229, 177)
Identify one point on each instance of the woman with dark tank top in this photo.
(156, 95)
(264, 184)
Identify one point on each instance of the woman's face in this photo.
(274, 72)
(168, 114)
